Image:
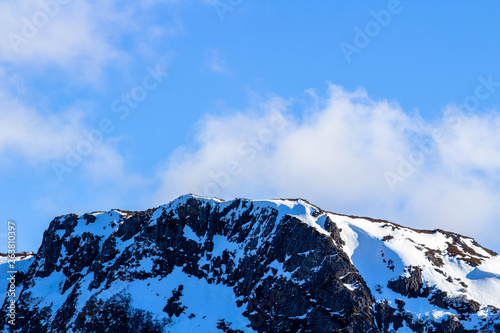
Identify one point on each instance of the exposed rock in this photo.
(411, 286)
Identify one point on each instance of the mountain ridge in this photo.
(283, 264)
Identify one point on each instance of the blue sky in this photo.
(106, 105)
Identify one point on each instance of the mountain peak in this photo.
(259, 266)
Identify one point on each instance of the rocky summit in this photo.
(207, 265)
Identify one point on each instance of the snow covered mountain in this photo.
(207, 265)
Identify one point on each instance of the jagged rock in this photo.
(411, 286)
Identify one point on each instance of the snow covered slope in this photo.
(22, 262)
(435, 273)
(207, 265)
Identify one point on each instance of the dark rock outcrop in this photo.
(411, 286)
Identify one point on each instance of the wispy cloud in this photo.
(26, 132)
(41, 138)
(67, 36)
(51, 145)
(79, 37)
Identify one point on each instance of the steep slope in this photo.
(428, 276)
(200, 264)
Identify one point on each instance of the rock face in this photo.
(207, 265)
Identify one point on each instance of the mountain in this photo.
(207, 265)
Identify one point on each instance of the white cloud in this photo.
(26, 132)
(66, 35)
(41, 138)
(80, 37)
(226, 145)
(339, 157)
(473, 144)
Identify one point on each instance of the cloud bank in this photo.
(351, 154)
